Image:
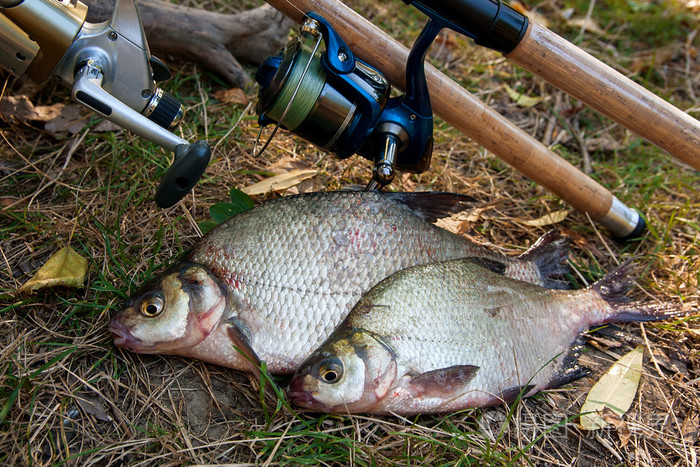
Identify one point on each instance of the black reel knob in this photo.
(164, 109)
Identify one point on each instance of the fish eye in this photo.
(331, 371)
(151, 306)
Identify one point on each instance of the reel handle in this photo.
(190, 162)
(87, 90)
(109, 69)
(383, 172)
(190, 159)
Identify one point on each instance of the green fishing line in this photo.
(308, 93)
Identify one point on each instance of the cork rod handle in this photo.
(609, 92)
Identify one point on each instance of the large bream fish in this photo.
(447, 336)
(276, 280)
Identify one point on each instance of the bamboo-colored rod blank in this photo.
(591, 81)
(460, 109)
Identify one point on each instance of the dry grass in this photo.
(67, 395)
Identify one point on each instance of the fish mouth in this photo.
(123, 338)
(302, 397)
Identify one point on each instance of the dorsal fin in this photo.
(431, 205)
(549, 254)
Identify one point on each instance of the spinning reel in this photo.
(342, 105)
(110, 70)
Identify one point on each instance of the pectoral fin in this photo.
(239, 339)
(444, 382)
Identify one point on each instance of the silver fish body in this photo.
(447, 336)
(276, 280)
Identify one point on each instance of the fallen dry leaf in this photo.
(604, 143)
(279, 182)
(668, 363)
(105, 126)
(59, 119)
(615, 390)
(93, 406)
(287, 164)
(65, 268)
(587, 24)
(231, 96)
(655, 57)
(6, 201)
(521, 99)
(620, 425)
(22, 109)
(690, 429)
(462, 222)
(70, 120)
(548, 219)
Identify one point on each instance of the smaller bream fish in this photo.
(446, 336)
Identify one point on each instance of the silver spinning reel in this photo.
(110, 70)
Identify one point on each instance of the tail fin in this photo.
(614, 287)
(549, 254)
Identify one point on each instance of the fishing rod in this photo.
(496, 25)
(47, 38)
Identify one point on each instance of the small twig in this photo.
(268, 461)
(606, 444)
(585, 155)
(648, 344)
(600, 237)
(9, 268)
(233, 127)
(688, 61)
(204, 100)
(589, 15)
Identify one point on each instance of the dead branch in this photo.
(217, 41)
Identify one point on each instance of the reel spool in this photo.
(341, 104)
(334, 111)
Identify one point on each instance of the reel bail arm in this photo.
(328, 98)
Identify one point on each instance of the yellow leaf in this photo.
(548, 219)
(521, 99)
(615, 390)
(279, 182)
(65, 268)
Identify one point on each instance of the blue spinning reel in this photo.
(342, 105)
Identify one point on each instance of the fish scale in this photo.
(291, 269)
